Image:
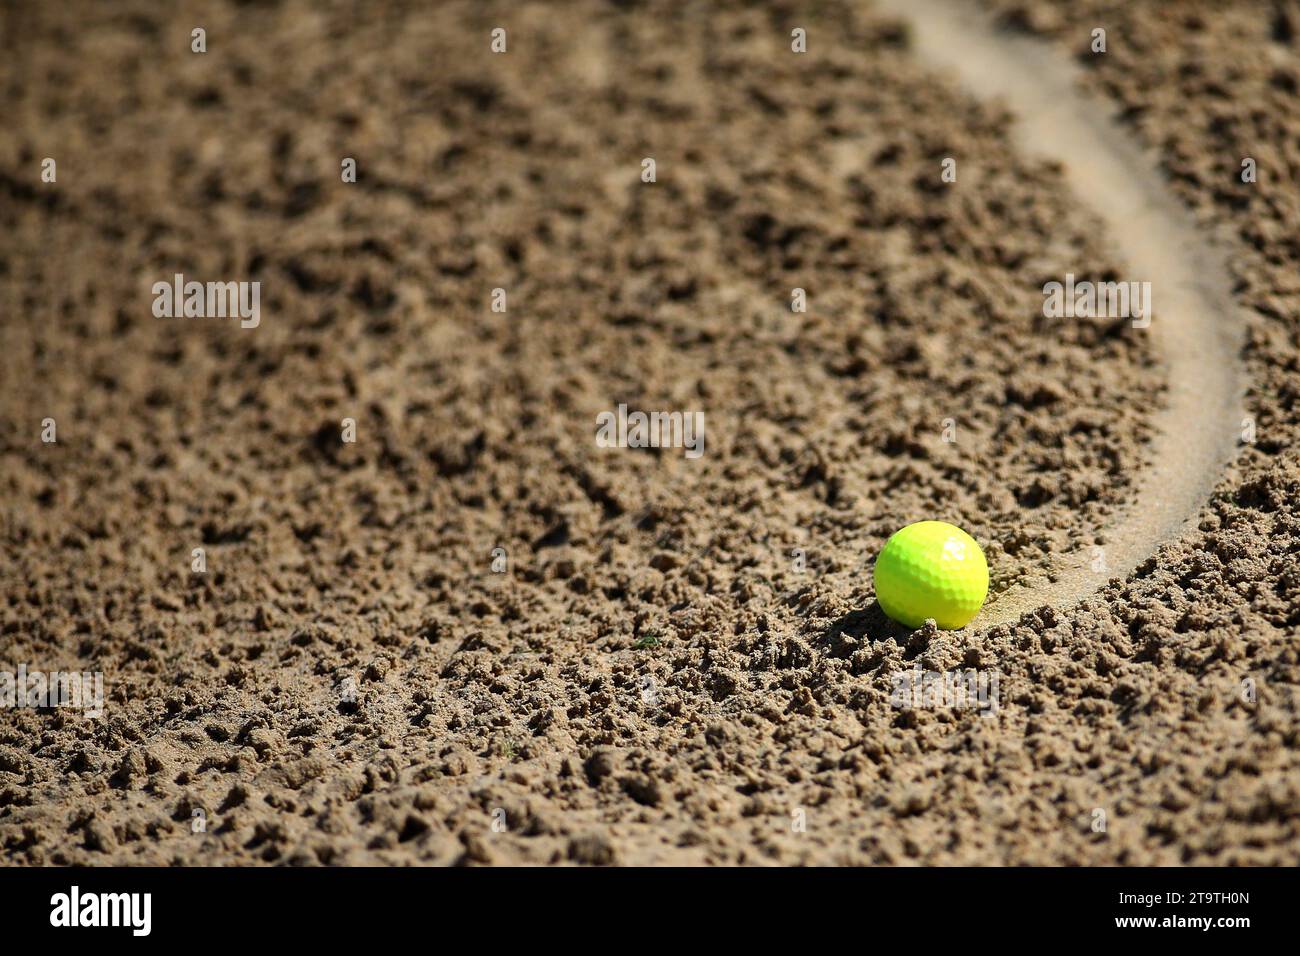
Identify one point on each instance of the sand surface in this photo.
(679, 660)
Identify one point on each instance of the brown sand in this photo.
(653, 679)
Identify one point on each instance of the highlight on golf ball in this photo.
(931, 569)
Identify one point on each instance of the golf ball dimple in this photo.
(931, 569)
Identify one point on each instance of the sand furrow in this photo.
(1197, 327)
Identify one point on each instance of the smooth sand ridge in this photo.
(1197, 327)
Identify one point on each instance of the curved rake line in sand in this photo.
(1197, 327)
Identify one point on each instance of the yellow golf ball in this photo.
(931, 569)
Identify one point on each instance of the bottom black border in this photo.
(335, 906)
